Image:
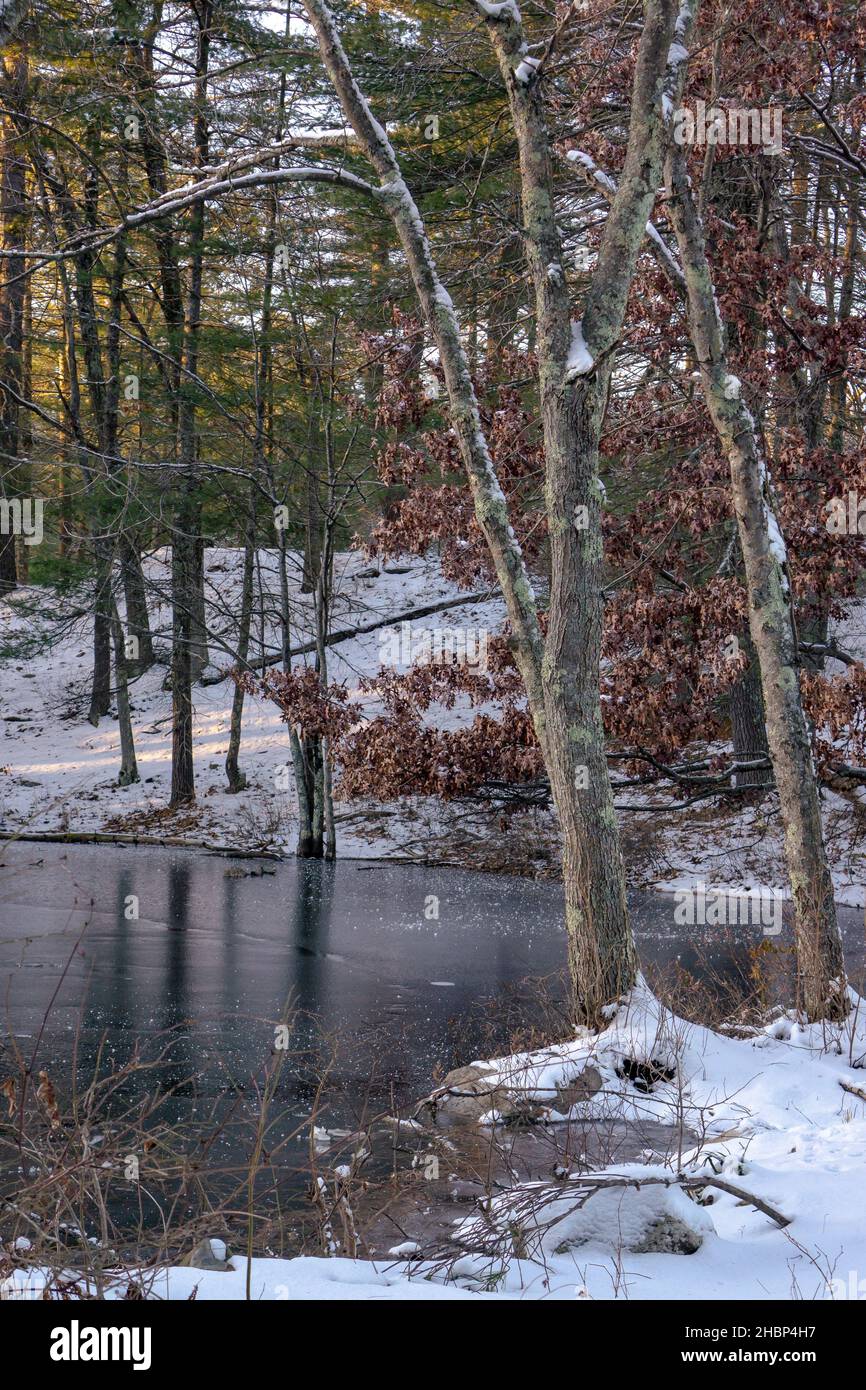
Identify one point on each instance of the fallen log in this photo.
(344, 634)
(590, 1184)
(108, 837)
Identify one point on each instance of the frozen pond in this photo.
(382, 971)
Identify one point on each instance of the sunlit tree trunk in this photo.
(236, 779)
(13, 230)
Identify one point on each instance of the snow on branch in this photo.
(598, 179)
(245, 159)
(580, 359)
(208, 189)
(678, 58)
(505, 10)
(526, 69)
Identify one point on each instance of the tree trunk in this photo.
(25, 427)
(198, 628)
(312, 530)
(182, 580)
(188, 654)
(188, 440)
(13, 235)
(100, 688)
(102, 390)
(322, 616)
(748, 726)
(304, 846)
(560, 677)
(821, 974)
(128, 767)
(573, 400)
(135, 598)
(307, 762)
(236, 779)
(601, 947)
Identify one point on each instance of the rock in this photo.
(210, 675)
(208, 1254)
(402, 1131)
(644, 1075)
(581, 1088)
(642, 1220)
(370, 572)
(669, 1236)
(468, 1093)
(464, 1190)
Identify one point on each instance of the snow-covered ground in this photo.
(780, 1117)
(58, 773)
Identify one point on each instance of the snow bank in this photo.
(774, 1120)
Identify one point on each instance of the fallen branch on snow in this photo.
(344, 634)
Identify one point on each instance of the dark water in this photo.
(382, 971)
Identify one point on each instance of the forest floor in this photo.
(58, 774)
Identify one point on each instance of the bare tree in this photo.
(189, 647)
(560, 672)
(820, 964)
